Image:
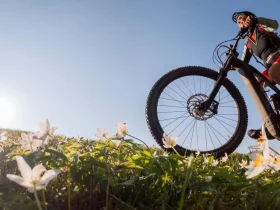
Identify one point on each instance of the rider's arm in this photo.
(246, 56)
(268, 23)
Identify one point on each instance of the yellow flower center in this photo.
(261, 139)
(277, 162)
(258, 161)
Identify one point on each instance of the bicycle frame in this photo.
(248, 74)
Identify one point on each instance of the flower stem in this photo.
(44, 199)
(142, 142)
(181, 202)
(69, 203)
(69, 184)
(37, 199)
(107, 194)
(175, 150)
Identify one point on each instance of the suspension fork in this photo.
(207, 104)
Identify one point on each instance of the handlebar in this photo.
(242, 33)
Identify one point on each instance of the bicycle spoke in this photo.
(226, 102)
(171, 111)
(194, 85)
(224, 122)
(185, 128)
(217, 132)
(205, 135)
(181, 90)
(186, 86)
(174, 98)
(192, 135)
(224, 97)
(174, 106)
(197, 137)
(200, 85)
(221, 124)
(228, 106)
(188, 133)
(178, 125)
(218, 115)
(177, 93)
(175, 120)
(209, 134)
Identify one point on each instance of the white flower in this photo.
(206, 160)
(32, 179)
(169, 141)
(261, 144)
(260, 160)
(117, 143)
(102, 134)
(215, 162)
(197, 153)
(225, 158)
(30, 142)
(78, 139)
(122, 130)
(276, 164)
(46, 129)
(165, 154)
(257, 166)
(243, 163)
(3, 136)
(208, 178)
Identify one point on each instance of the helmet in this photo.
(236, 14)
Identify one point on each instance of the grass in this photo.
(104, 174)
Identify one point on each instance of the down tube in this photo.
(264, 107)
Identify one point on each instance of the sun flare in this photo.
(6, 112)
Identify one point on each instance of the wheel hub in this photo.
(193, 105)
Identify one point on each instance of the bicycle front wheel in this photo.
(179, 92)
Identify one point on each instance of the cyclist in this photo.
(264, 43)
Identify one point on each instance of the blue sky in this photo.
(89, 64)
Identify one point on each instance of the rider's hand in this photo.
(248, 22)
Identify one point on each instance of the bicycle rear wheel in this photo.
(191, 86)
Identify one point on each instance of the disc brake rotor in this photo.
(193, 105)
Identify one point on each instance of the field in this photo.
(120, 173)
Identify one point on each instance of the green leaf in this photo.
(129, 182)
(57, 154)
(223, 176)
(147, 154)
(128, 165)
(131, 141)
(2, 202)
(138, 157)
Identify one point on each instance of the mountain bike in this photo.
(207, 107)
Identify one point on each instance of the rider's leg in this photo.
(273, 73)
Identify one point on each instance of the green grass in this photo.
(100, 175)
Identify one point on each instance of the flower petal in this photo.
(39, 187)
(24, 137)
(37, 171)
(19, 180)
(24, 168)
(254, 171)
(30, 189)
(37, 143)
(49, 175)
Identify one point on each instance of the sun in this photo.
(6, 112)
